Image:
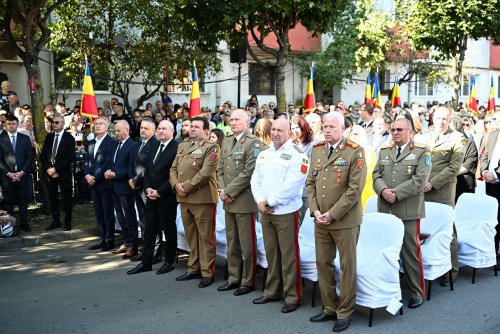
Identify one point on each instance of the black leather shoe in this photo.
(165, 268)
(67, 228)
(187, 276)
(414, 303)
(108, 246)
(139, 269)
(97, 246)
(243, 290)
(289, 307)
(206, 281)
(138, 257)
(445, 282)
(25, 228)
(263, 300)
(228, 286)
(340, 325)
(53, 226)
(323, 317)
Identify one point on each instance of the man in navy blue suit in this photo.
(161, 207)
(123, 195)
(100, 153)
(15, 161)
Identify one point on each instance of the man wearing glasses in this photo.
(398, 179)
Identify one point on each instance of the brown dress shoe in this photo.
(243, 290)
(131, 252)
(289, 307)
(121, 250)
(263, 300)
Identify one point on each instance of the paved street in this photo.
(64, 288)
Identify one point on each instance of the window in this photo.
(385, 81)
(422, 87)
(262, 80)
(465, 85)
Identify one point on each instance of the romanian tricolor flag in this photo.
(472, 101)
(377, 98)
(194, 104)
(491, 100)
(368, 91)
(395, 96)
(310, 104)
(89, 104)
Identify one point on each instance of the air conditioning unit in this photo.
(7, 54)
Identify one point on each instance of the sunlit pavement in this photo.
(65, 288)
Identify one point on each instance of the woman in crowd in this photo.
(158, 118)
(302, 134)
(217, 136)
(262, 131)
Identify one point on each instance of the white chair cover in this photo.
(181, 235)
(475, 220)
(307, 247)
(379, 245)
(438, 222)
(220, 231)
(261, 251)
(371, 204)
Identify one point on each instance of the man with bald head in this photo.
(236, 165)
(57, 154)
(123, 196)
(334, 186)
(447, 154)
(277, 186)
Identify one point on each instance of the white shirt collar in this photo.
(97, 139)
(404, 145)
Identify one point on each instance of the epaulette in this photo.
(419, 145)
(351, 144)
(320, 143)
(231, 135)
(298, 148)
(387, 146)
(251, 135)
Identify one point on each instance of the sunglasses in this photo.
(56, 122)
(487, 122)
(398, 130)
(466, 124)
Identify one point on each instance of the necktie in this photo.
(117, 150)
(399, 152)
(142, 146)
(54, 147)
(14, 143)
(330, 152)
(192, 144)
(158, 154)
(234, 141)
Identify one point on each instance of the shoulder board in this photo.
(229, 136)
(320, 143)
(419, 145)
(387, 146)
(297, 147)
(252, 136)
(351, 144)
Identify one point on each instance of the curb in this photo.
(22, 241)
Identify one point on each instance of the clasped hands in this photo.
(322, 218)
(225, 198)
(16, 177)
(265, 209)
(52, 172)
(152, 194)
(109, 174)
(179, 189)
(389, 195)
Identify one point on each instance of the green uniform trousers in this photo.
(281, 241)
(412, 259)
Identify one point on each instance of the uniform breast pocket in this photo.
(238, 162)
(282, 167)
(410, 166)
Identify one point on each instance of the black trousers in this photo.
(494, 191)
(16, 194)
(125, 213)
(102, 200)
(160, 216)
(67, 199)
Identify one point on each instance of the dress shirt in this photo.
(98, 143)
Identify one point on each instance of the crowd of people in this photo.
(263, 166)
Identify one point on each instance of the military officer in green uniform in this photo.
(398, 179)
(234, 172)
(447, 153)
(334, 186)
(193, 178)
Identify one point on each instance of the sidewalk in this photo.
(37, 238)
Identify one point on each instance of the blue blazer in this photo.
(22, 158)
(139, 160)
(121, 168)
(96, 166)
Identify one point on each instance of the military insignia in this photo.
(352, 144)
(297, 147)
(341, 146)
(409, 170)
(285, 156)
(315, 172)
(361, 163)
(317, 166)
(444, 154)
(303, 168)
(427, 158)
(213, 155)
(340, 162)
(339, 177)
(256, 150)
(410, 156)
(360, 155)
(194, 162)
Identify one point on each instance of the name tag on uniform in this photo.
(385, 162)
(285, 156)
(410, 156)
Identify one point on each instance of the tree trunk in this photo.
(280, 82)
(457, 65)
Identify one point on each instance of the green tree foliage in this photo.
(130, 41)
(445, 26)
(261, 18)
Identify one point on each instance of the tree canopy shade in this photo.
(234, 20)
(446, 26)
(130, 40)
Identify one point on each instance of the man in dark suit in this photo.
(123, 195)
(15, 161)
(57, 154)
(101, 151)
(161, 207)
